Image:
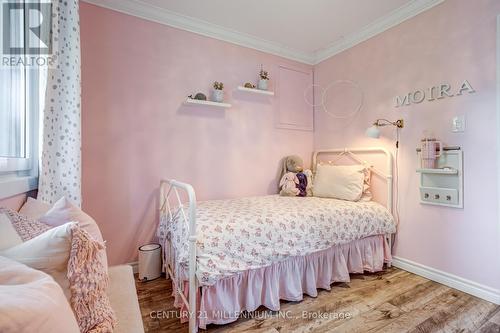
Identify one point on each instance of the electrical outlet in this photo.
(458, 124)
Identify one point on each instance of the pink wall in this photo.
(452, 42)
(135, 75)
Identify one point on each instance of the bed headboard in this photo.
(358, 155)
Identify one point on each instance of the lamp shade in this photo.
(373, 132)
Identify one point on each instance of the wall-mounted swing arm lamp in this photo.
(374, 131)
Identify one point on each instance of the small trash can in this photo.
(149, 262)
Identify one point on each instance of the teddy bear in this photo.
(294, 175)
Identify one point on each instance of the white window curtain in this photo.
(60, 173)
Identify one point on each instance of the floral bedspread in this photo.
(246, 233)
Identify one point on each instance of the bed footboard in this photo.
(174, 190)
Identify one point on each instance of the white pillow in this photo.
(64, 211)
(339, 181)
(34, 208)
(32, 302)
(8, 234)
(48, 252)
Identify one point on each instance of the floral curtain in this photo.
(60, 167)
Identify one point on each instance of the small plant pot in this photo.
(218, 95)
(262, 84)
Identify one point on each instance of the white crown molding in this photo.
(467, 286)
(149, 12)
(382, 24)
(163, 16)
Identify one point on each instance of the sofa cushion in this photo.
(48, 252)
(123, 298)
(64, 211)
(34, 209)
(31, 301)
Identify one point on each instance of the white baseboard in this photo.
(135, 266)
(450, 280)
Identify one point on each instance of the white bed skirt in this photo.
(288, 280)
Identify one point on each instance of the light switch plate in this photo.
(458, 124)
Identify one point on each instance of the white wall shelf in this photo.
(256, 91)
(441, 171)
(191, 101)
(443, 186)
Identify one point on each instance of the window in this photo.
(19, 109)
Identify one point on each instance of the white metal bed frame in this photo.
(170, 188)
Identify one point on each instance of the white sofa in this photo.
(123, 297)
(121, 292)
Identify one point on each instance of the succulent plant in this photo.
(264, 75)
(218, 85)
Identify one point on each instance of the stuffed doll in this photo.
(294, 164)
(302, 185)
(309, 176)
(288, 185)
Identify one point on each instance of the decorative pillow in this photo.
(32, 301)
(34, 208)
(48, 252)
(367, 193)
(8, 234)
(339, 181)
(16, 228)
(71, 256)
(64, 211)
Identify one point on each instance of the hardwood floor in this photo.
(390, 301)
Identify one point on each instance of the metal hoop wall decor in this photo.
(344, 82)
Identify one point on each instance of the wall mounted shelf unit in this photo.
(443, 186)
(256, 91)
(191, 101)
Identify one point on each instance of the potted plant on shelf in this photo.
(264, 79)
(218, 93)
